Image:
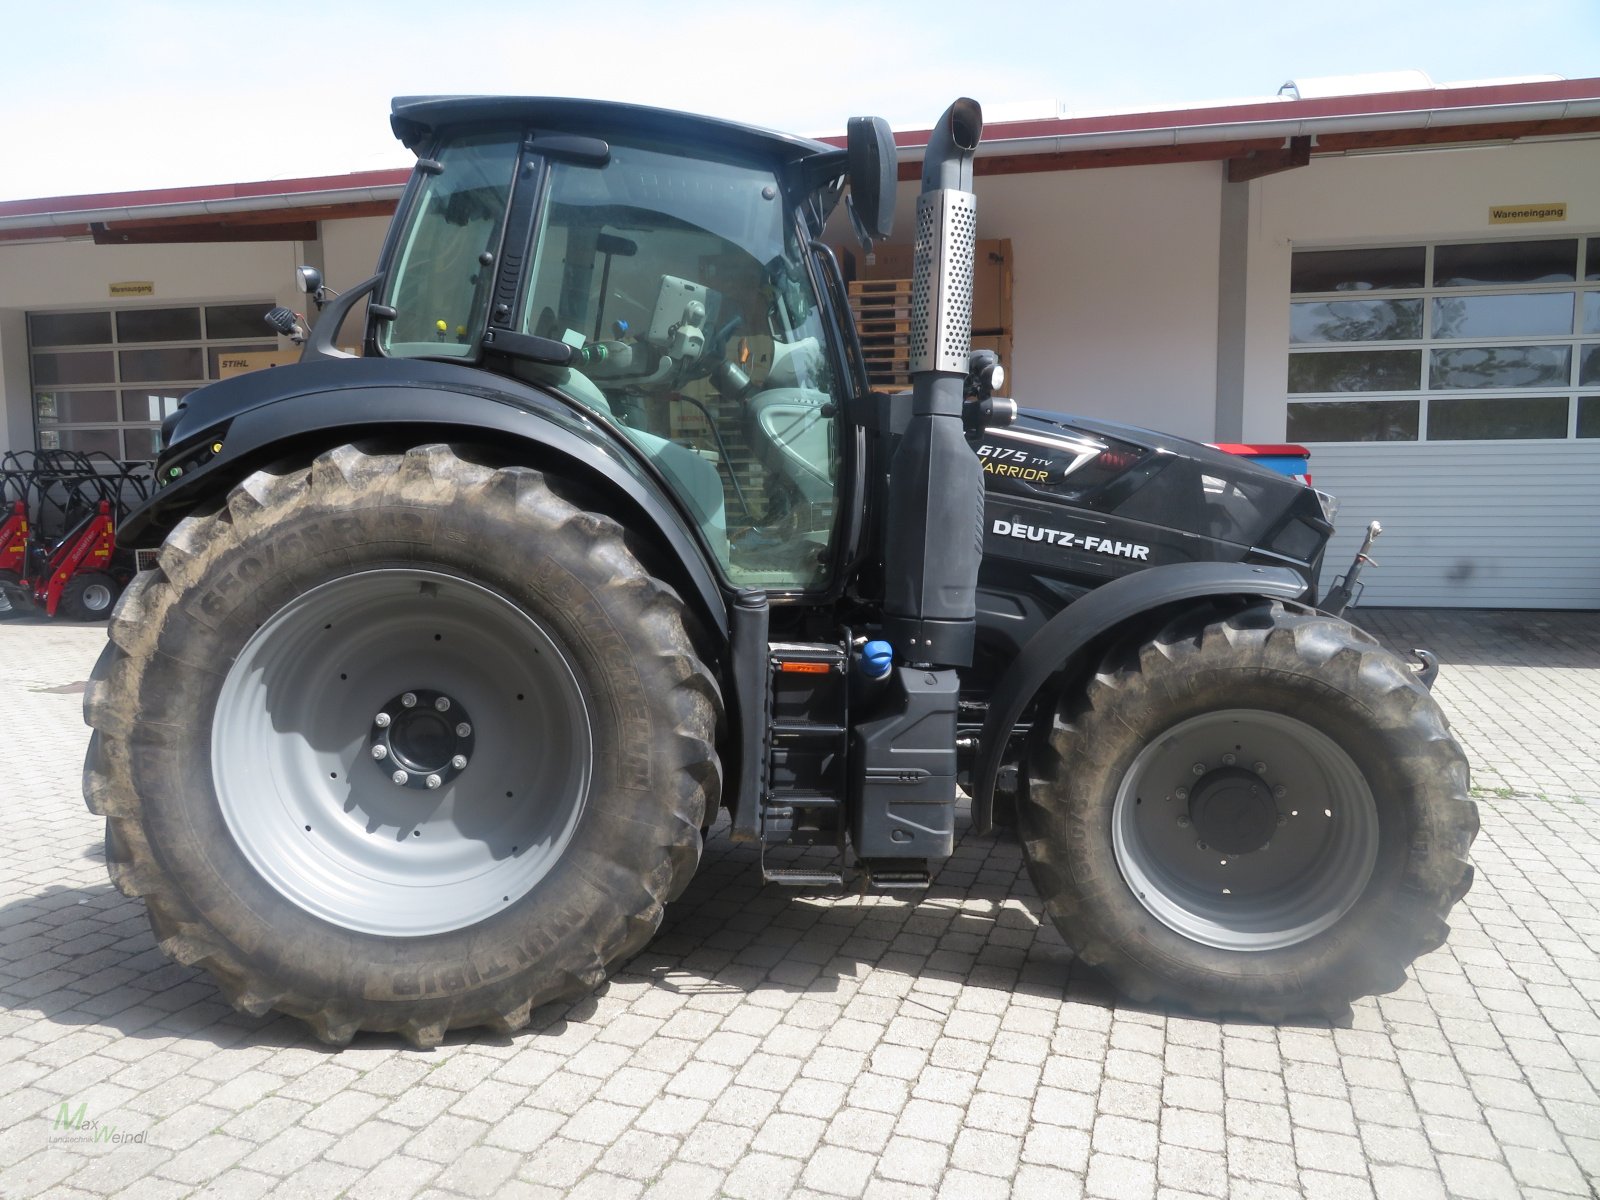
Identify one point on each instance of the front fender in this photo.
(1095, 615)
(235, 427)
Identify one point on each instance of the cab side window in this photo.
(682, 286)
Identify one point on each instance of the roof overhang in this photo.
(1253, 137)
(1488, 113)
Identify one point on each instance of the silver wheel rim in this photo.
(96, 598)
(1194, 782)
(322, 819)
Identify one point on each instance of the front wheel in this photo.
(401, 742)
(1261, 813)
(89, 596)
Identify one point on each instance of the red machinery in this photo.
(59, 550)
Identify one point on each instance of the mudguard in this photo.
(1096, 614)
(233, 427)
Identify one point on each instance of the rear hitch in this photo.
(1429, 670)
(1347, 588)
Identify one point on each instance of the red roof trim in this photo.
(213, 191)
(1421, 102)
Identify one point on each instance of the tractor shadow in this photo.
(1487, 637)
(84, 958)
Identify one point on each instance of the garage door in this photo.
(1469, 525)
(1452, 391)
(103, 380)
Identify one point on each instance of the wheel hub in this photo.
(1233, 810)
(421, 739)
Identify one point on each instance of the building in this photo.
(1405, 277)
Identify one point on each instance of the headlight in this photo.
(1330, 506)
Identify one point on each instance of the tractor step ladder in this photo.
(807, 732)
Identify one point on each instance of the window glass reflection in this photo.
(1589, 367)
(1478, 418)
(1354, 421)
(1500, 367)
(1356, 371)
(68, 329)
(1528, 315)
(1505, 262)
(1355, 320)
(158, 325)
(1357, 270)
(52, 370)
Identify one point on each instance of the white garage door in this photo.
(1452, 391)
(1469, 524)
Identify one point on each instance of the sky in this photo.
(166, 93)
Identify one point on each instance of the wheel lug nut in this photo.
(442, 704)
(459, 762)
(382, 720)
(1265, 846)
(409, 700)
(1182, 793)
(1228, 760)
(1280, 791)
(1201, 846)
(434, 781)
(463, 730)
(380, 752)
(1199, 768)
(1183, 821)
(401, 778)
(1259, 768)
(1282, 820)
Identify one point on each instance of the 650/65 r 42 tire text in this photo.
(1260, 812)
(401, 742)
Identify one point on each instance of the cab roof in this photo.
(413, 118)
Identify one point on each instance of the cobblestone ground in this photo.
(769, 1044)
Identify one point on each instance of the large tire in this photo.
(238, 702)
(1338, 822)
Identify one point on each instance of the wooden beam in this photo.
(1256, 163)
(45, 233)
(1500, 131)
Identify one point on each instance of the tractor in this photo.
(455, 649)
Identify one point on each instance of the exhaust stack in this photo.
(934, 535)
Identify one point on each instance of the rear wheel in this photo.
(1261, 813)
(456, 759)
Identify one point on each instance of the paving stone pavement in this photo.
(770, 1044)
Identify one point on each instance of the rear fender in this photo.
(519, 424)
(1094, 616)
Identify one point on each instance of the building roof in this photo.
(1254, 136)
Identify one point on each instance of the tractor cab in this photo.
(660, 273)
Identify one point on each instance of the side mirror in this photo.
(874, 169)
(308, 279)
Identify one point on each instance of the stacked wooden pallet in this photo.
(882, 304)
(882, 310)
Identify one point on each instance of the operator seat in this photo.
(786, 423)
(693, 478)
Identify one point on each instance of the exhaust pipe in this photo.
(934, 533)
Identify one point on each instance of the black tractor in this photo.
(455, 649)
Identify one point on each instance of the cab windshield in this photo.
(440, 283)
